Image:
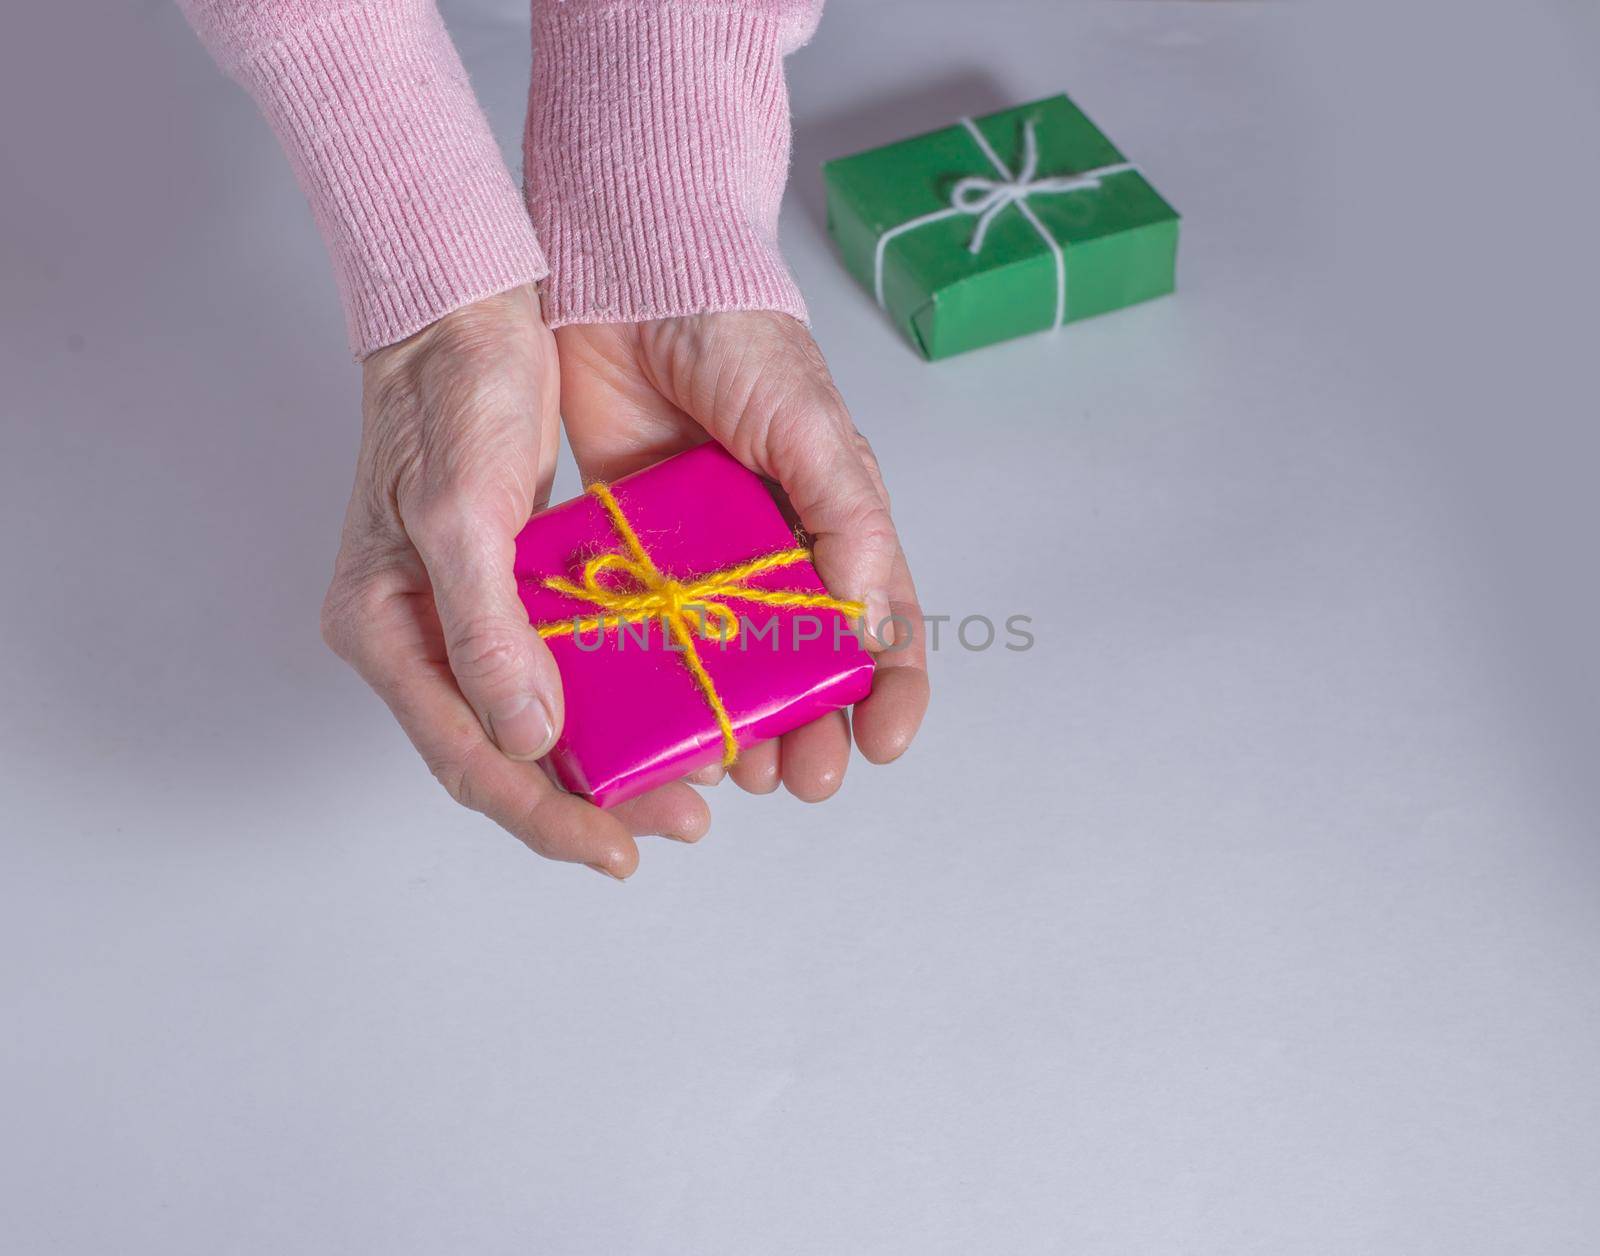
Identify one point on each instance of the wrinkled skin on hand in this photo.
(632, 394)
(459, 440)
(458, 449)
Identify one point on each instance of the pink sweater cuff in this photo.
(373, 106)
(656, 153)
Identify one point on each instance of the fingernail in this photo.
(708, 775)
(879, 624)
(523, 730)
(605, 871)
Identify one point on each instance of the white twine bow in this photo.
(987, 199)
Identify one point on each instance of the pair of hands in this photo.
(459, 440)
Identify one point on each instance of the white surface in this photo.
(1254, 911)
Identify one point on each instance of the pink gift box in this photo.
(636, 715)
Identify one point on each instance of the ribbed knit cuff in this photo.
(373, 106)
(656, 153)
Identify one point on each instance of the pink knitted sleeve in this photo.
(656, 152)
(657, 147)
(370, 101)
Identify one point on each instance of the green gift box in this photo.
(998, 226)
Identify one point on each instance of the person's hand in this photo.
(458, 445)
(632, 394)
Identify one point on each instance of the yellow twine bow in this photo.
(686, 608)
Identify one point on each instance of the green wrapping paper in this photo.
(1115, 238)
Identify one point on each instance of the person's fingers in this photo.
(823, 465)
(886, 721)
(674, 810)
(503, 667)
(524, 801)
(814, 757)
(758, 383)
(756, 769)
(519, 797)
(712, 774)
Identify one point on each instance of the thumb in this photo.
(827, 470)
(758, 383)
(501, 664)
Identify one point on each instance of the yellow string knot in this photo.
(628, 588)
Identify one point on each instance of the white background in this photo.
(1255, 910)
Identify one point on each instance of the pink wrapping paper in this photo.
(635, 717)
